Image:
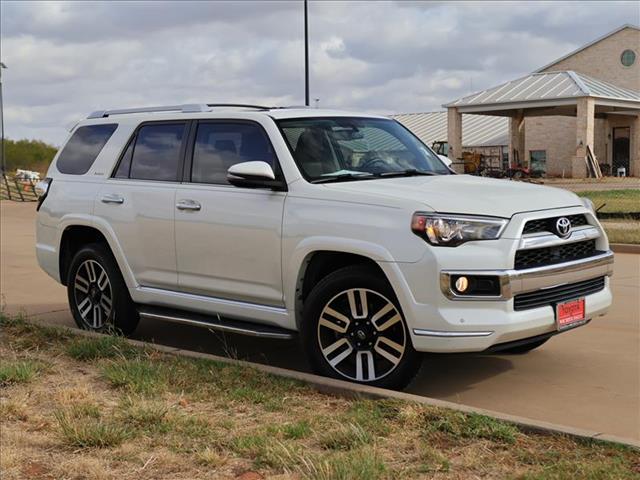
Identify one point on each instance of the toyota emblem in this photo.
(563, 227)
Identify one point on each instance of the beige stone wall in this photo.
(602, 60)
(556, 135)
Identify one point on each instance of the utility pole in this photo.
(306, 54)
(4, 165)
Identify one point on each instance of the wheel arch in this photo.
(74, 235)
(317, 264)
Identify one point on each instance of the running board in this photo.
(216, 323)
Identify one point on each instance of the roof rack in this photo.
(187, 108)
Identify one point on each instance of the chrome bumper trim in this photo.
(440, 333)
(579, 234)
(513, 282)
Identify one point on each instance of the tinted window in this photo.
(125, 161)
(156, 153)
(218, 146)
(361, 147)
(83, 148)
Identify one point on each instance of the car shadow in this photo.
(445, 376)
(441, 376)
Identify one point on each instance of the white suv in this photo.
(343, 228)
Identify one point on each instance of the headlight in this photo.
(452, 230)
(588, 203)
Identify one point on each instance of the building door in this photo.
(621, 149)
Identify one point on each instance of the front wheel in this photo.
(353, 329)
(98, 297)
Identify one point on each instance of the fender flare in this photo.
(107, 232)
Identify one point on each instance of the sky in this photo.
(66, 59)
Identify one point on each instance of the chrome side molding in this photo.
(215, 322)
(449, 334)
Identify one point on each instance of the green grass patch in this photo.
(617, 201)
(18, 371)
(364, 464)
(138, 375)
(296, 430)
(345, 437)
(150, 417)
(107, 346)
(84, 427)
(25, 335)
(469, 426)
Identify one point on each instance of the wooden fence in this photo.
(17, 189)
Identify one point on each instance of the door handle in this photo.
(111, 198)
(188, 205)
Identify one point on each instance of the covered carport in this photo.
(564, 93)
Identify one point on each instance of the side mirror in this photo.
(446, 160)
(254, 175)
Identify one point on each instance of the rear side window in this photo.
(219, 146)
(154, 154)
(83, 148)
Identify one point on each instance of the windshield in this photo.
(350, 148)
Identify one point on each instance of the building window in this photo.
(538, 162)
(628, 58)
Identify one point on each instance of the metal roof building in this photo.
(478, 130)
(546, 90)
(576, 116)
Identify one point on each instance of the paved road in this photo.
(588, 378)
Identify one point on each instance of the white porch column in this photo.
(454, 137)
(516, 139)
(585, 124)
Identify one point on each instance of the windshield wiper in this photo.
(342, 177)
(410, 172)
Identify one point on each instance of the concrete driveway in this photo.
(588, 378)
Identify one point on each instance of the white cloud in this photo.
(67, 59)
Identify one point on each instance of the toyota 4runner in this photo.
(343, 229)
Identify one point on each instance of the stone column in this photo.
(585, 123)
(454, 137)
(516, 139)
(634, 153)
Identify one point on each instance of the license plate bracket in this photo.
(570, 313)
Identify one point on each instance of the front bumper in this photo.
(447, 323)
(513, 282)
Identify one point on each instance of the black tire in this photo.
(521, 349)
(363, 334)
(98, 304)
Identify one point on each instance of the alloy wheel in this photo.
(93, 294)
(361, 335)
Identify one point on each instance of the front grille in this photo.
(539, 257)
(548, 224)
(551, 296)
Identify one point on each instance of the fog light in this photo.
(462, 284)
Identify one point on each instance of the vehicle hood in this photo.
(463, 194)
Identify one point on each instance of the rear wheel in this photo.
(97, 294)
(353, 329)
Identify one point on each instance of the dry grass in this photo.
(103, 410)
(620, 231)
(615, 201)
